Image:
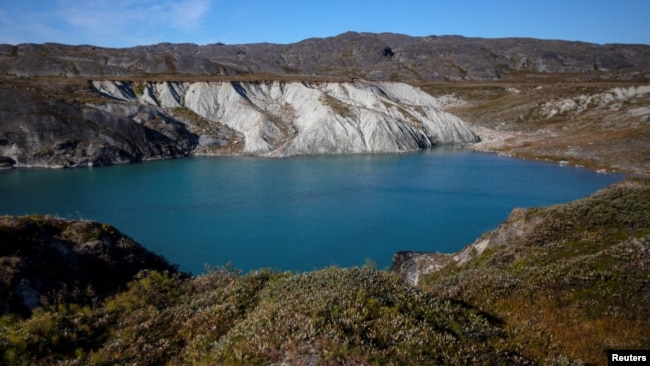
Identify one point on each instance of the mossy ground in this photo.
(332, 316)
(575, 284)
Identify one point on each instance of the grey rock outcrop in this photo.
(410, 266)
(51, 133)
(44, 257)
(294, 118)
(135, 121)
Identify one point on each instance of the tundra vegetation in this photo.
(568, 280)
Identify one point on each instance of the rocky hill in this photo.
(384, 56)
(46, 261)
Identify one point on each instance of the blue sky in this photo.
(123, 23)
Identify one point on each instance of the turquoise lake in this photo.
(300, 213)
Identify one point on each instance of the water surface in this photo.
(300, 213)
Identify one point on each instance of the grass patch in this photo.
(335, 315)
(138, 87)
(336, 106)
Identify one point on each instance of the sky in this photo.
(126, 23)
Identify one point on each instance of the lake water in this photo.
(300, 213)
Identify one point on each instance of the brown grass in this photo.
(599, 137)
(572, 281)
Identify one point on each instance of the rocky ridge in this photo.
(52, 113)
(46, 260)
(383, 56)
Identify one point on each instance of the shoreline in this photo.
(521, 145)
(491, 140)
(514, 144)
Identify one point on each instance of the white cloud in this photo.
(188, 14)
(132, 21)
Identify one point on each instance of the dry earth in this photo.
(601, 125)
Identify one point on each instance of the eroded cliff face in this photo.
(290, 118)
(132, 121)
(50, 130)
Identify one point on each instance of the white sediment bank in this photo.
(279, 118)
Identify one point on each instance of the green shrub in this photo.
(336, 106)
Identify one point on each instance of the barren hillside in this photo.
(600, 125)
(570, 102)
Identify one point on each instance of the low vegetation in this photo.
(332, 316)
(569, 280)
(336, 106)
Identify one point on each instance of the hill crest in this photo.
(373, 56)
